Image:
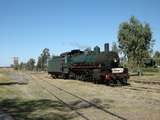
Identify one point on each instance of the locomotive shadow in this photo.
(97, 83)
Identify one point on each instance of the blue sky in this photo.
(28, 26)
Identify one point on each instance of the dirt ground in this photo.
(33, 96)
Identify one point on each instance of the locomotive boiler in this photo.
(96, 66)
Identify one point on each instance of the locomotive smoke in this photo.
(77, 45)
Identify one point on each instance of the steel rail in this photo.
(69, 106)
(91, 103)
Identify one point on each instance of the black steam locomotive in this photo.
(96, 66)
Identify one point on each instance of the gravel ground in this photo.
(20, 78)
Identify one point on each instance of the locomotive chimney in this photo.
(106, 47)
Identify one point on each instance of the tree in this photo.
(135, 40)
(43, 59)
(156, 54)
(115, 47)
(39, 63)
(16, 66)
(30, 64)
(22, 66)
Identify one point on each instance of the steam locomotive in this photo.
(95, 66)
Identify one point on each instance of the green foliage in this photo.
(156, 57)
(156, 54)
(43, 59)
(38, 67)
(150, 69)
(22, 66)
(135, 40)
(115, 47)
(16, 66)
(30, 64)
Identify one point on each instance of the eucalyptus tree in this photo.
(43, 59)
(135, 40)
(156, 57)
(30, 64)
(115, 47)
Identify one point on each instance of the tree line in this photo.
(31, 63)
(135, 43)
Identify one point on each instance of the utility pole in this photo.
(15, 62)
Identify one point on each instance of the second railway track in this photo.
(69, 98)
(143, 89)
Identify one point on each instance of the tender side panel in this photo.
(55, 65)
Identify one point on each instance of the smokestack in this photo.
(106, 47)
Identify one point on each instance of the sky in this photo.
(29, 26)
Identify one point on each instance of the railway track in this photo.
(147, 89)
(146, 82)
(62, 101)
(98, 108)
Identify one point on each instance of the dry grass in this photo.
(153, 76)
(32, 102)
(138, 101)
(4, 78)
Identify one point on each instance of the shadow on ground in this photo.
(12, 83)
(36, 109)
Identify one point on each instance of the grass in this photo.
(151, 70)
(5, 82)
(4, 77)
(35, 109)
(31, 102)
(16, 101)
(147, 76)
